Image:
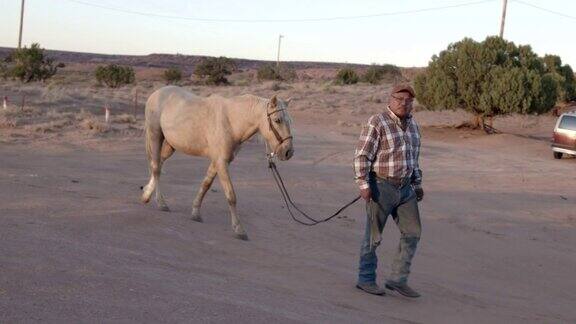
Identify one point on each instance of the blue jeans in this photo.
(402, 205)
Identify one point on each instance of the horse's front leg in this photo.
(224, 176)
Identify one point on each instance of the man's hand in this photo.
(419, 194)
(366, 194)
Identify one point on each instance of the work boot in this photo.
(371, 288)
(402, 289)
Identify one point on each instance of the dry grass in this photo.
(68, 103)
(49, 127)
(15, 117)
(317, 96)
(9, 122)
(94, 125)
(35, 119)
(124, 119)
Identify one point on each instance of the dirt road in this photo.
(76, 245)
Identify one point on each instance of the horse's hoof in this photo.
(241, 236)
(196, 215)
(164, 208)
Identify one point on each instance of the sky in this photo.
(404, 33)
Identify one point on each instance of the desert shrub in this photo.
(29, 64)
(9, 120)
(493, 77)
(213, 70)
(48, 127)
(275, 86)
(94, 125)
(124, 119)
(268, 72)
(377, 73)
(346, 75)
(3, 70)
(271, 72)
(172, 75)
(114, 76)
(287, 73)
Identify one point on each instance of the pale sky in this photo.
(407, 39)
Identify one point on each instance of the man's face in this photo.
(401, 103)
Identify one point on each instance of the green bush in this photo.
(215, 69)
(270, 72)
(172, 75)
(30, 64)
(347, 75)
(493, 77)
(114, 76)
(563, 74)
(376, 73)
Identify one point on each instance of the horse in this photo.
(213, 127)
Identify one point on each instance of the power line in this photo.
(544, 9)
(217, 20)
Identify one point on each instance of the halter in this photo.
(274, 131)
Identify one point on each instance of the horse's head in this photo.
(275, 128)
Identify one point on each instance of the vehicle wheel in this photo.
(557, 155)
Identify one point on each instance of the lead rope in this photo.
(288, 200)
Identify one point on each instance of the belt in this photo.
(396, 182)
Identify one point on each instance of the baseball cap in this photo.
(403, 87)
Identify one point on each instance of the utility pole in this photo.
(21, 23)
(503, 19)
(278, 59)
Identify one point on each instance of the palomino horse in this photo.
(212, 127)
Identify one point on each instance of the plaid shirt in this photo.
(387, 150)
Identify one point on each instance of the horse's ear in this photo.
(274, 101)
(289, 100)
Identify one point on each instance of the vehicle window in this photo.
(568, 122)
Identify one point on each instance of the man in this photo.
(390, 180)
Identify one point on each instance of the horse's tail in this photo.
(148, 124)
(148, 142)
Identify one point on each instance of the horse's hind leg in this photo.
(166, 152)
(208, 180)
(154, 140)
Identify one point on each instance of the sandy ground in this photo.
(76, 245)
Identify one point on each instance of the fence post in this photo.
(23, 102)
(135, 109)
(106, 113)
